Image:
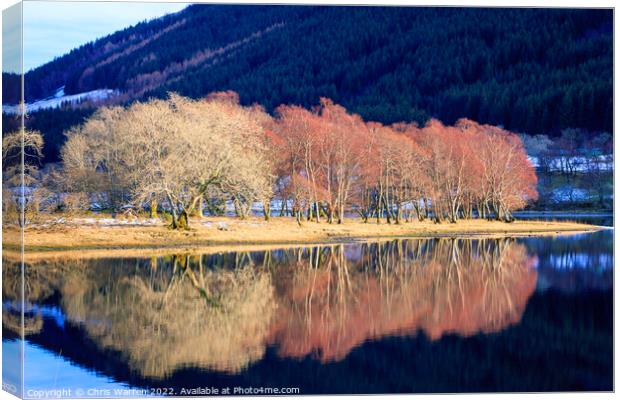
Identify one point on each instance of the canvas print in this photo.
(236, 199)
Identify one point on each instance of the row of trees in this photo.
(188, 156)
(337, 159)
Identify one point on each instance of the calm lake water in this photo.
(440, 315)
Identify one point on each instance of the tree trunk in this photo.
(388, 212)
(173, 210)
(425, 210)
(240, 209)
(453, 211)
(318, 212)
(418, 212)
(267, 209)
(397, 214)
(297, 213)
(183, 221)
(200, 208)
(341, 214)
(153, 208)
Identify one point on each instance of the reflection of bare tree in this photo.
(437, 286)
(162, 314)
(218, 311)
(12, 304)
(11, 320)
(37, 286)
(37, 282)
(180, 316)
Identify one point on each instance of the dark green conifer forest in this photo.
(534, 71)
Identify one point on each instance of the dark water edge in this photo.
(594, 218)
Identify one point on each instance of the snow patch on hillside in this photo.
(59, 98)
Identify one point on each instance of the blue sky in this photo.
(52, 28)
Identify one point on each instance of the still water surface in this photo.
(439, 315)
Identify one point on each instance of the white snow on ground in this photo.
(104, 222)
(569, 194)
(60, 98)
(115, 221)
(579, 163)
(60, 92)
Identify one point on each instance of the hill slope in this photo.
(531, 70)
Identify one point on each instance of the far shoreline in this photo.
(563, 214)
(225, 234)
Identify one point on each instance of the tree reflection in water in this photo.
(179, 314)
(335, 301)
(220, 312)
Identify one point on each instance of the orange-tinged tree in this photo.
(508, 177)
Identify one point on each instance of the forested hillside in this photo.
(529, 70)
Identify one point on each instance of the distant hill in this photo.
(530, 70)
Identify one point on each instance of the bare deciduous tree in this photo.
(175, 151)
(21, 194)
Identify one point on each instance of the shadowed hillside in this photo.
(531, 70)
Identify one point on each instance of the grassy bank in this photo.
(221, 234)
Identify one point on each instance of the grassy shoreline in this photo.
(228, 234)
